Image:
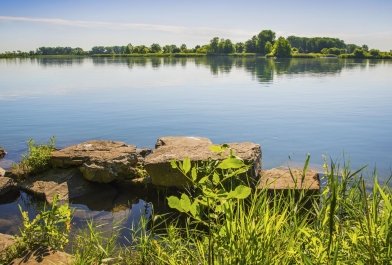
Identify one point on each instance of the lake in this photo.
(290, 107)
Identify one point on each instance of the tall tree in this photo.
(282, 48)
(263, 37)
(214, 45)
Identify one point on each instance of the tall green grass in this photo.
(348, 222)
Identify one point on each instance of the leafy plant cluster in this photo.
(49, 228)
(229, 224)
(36, 160)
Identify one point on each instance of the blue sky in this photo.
(29, 24)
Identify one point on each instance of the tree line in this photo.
(264, 43)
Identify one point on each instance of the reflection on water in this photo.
(126, 211)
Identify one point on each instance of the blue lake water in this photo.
(290, 107)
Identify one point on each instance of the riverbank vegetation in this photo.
(225, 221)
(262, 44)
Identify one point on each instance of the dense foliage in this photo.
(262, 44)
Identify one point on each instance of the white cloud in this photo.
(135, 26)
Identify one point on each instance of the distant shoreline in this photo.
(197, 55)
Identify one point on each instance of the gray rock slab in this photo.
(197, 149)
(70, 185)
(100, 160)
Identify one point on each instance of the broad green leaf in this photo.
(195, 209)
(186, 165)
(242, 192)
(231, 163)
(185, 202)
(203, 180)
(216, 148)
(215, 178)
(173, 163)
(194, 174)
(174, 203)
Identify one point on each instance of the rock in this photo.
(280, 179)
(43, 255)
(2, 172)
(197, 149)
(2, 153)
(280, 182)
(100, 160)
(5, 242)
(70, 185)
(8, 188)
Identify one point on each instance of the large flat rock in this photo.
(70, 185)
(44, 256)
(281, 179)
(100, 160)
(5, 242)
(197, 149)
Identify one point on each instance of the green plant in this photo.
(36, 160)
(49, 228)
(92, 246)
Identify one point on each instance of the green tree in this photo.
(268, 47)
(128, 49)
(239, 47)
(214, 45)
(155, 48)
(282, 48)
(365, 47)
(251, 45)
(183, 47)
(263, 37)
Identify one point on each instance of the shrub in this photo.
(36, 160)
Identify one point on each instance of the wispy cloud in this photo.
(136, 26)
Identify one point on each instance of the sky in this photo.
(28, 24)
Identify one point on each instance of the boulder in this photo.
(5, 242)
(44, 256)
(2, 172)
(100, 160)
(197, 149)
(281, 179)
(8, 189)
(70, 185)
(2, 153)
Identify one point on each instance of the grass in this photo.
(35, 161)
(349, 222)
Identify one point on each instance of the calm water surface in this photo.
(289, 107)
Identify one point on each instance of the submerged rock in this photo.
(70, 185)
(100, 160)
(197, 149)
(8, 190)
(2, 153)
